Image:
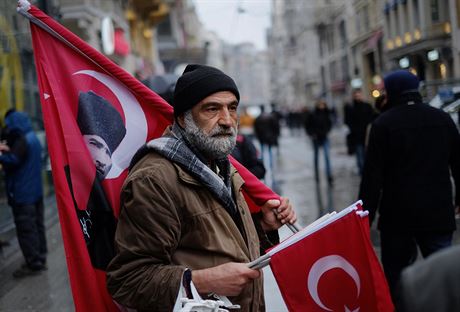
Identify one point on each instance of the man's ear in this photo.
(180, 120)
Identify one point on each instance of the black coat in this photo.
(318, 124)
(246, 153)
(411, 150)
(267, 129)
(358, 115)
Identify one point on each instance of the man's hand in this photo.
(276, 213)
(227, 279)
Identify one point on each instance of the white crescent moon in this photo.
(136, 124)
(322, 266)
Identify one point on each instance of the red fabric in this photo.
(333, 269)
(59, 69)
(121, 45)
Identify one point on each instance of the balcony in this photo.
(153, 10)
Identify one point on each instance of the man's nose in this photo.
(225, 117)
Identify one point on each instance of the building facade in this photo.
(333, 21)
(366, 47)
(249, 67)
(181, 38)
(293, 51)
(418, 37)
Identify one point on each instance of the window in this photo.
(345, 68)
(343, 34)
(365, 13)
(330, 39)
(164, 28)
(434, 6)
(332, 71)
(416, 13)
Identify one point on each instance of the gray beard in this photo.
(209, 145)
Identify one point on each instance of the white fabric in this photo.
(197, 304)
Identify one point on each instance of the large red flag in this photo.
(96, 116)
(333, 269)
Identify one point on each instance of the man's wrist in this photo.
(200, 279)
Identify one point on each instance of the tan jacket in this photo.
(169, 222)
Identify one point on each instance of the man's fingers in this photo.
(253, 274)
(284, 204)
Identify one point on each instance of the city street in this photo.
(50, 291)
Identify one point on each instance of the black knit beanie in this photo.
(196, 83)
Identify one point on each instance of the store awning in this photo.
(371, 43)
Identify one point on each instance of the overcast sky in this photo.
(236, 21)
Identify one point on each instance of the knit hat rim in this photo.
(207, 75)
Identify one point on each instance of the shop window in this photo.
(434, 6)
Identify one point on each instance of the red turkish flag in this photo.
(74, 78)
(333, 269)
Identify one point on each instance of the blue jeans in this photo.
(360, 157)
(399, 250)
(325, 145)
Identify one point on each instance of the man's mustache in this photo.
(223, 131)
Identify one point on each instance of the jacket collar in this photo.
(186, 177)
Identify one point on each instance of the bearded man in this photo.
(183, 217)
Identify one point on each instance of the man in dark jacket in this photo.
(183, 216)
(318, 124)
(413, 149)
(21, 160)
(358, 115)
(267, 130)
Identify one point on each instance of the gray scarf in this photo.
(176, 148)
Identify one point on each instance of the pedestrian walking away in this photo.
(413, 150)
(183, 221)
(358, 115)
(21, 160)
(318, 125)
(267, 130)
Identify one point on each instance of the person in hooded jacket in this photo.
(21, 160)
(318, 125)
(413, 150)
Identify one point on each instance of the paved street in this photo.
(294, 178)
